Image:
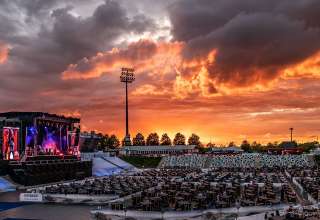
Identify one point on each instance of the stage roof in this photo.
(44, 115)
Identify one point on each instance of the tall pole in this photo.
(127, 112)
(291, 130)
(127, 76)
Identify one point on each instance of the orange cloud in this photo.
(163, 60)
(137, 54)
(159, 60)
(307, 68)
(4, 50)
(148, 89)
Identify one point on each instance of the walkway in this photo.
(302, 201)
(243, 211)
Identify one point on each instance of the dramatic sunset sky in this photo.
(227, 70)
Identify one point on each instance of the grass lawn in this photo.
(142, 162)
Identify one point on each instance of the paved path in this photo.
(190, 214)
(302, 201)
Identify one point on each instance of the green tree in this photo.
(270, 145)
(179, 139)
(210, 145)
(152, 139)
(165, 139)
(306, 147)
(123, 143)
(138, 140)
(203, 150)
(104, 142)
(86, 146)
(113, 142)
(194, 140)
(245, 145)
(256, 147)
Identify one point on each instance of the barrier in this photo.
(30, 197)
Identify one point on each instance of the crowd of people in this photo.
(202, 182)
(113, 185)
(189, 189)
(309, 179)
(238, 160)
(186, 189)
(304, 213)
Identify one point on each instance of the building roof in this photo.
(288, 144)
(159, 148)
(226, 149)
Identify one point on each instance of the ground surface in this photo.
(10, 208)
(142, 162)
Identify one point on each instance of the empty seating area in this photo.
(36, 172)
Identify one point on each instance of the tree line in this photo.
(257, 147)
(106, 142)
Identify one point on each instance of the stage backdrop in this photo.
(10, 146)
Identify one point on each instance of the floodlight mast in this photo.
(127, 76)
(291, 131)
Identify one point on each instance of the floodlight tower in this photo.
(127, 76)
(291, 131)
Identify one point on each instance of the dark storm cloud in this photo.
(70, 37)
(254, 39)
(45, 37)
(34, 8)
(75, 37)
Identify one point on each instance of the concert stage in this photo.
(37, 133)
(41, 147)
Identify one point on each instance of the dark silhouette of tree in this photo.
(179, 139)
(92, 143)
(288, 144)
(270, 145)
(256, 147)
(98, 146)
(231, 144)
(152, 139)
(138, 140)
(86, 146)
(124, 143)
(194, 140)
(210, 145)
(104, 142)
(308, 146)
(165, 139)
(245, 145)
(113, 142)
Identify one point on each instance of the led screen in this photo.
(10, 145)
